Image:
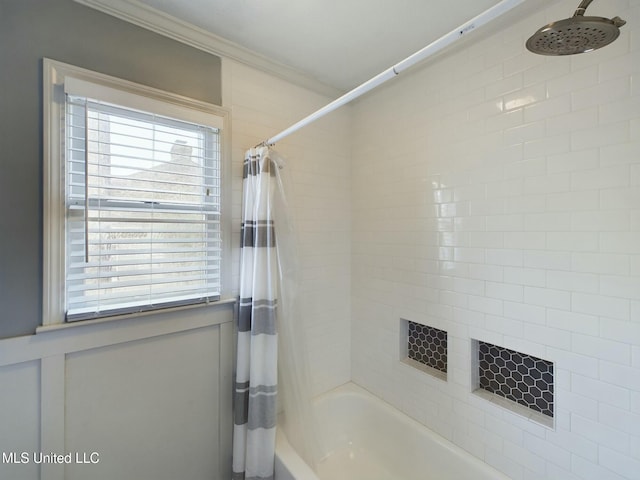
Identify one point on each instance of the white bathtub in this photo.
(367, 439)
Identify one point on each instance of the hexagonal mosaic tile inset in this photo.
(519, 377)
(427, 345)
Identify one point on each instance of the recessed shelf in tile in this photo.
(521, 378)
(425, 347)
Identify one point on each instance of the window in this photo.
(134, 185)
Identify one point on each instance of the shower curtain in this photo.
(271, 335)
(256, 370)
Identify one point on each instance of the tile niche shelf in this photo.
(517, 381)
(424, 347)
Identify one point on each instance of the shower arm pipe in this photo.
(487, 16)
(582, 7)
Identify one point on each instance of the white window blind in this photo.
(142, 210)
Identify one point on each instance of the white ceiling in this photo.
(340, 43)
(330, 46)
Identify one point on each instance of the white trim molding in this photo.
(55, 76)
(144, 16)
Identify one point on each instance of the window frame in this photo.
(55, 74)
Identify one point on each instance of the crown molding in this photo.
(138, 13)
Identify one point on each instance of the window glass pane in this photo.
(143, 226)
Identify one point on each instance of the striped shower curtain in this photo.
(256, 374)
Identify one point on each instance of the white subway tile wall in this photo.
(318, 163)
(496, 195)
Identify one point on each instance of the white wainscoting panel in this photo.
(144, 398)
(19, 418)
(149, 406)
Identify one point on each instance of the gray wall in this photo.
(68, 32)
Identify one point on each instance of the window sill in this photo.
(130, 316)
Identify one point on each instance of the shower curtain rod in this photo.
(488, 15)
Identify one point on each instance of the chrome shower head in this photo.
(578, 34)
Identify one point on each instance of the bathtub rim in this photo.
(288, 460)
(288, 464)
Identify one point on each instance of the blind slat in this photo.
(157, 191)
(97, 311)
(119, 300)
(145, 283)
(108, 274)
(210, 251)
(210, 171)
(141, 207)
